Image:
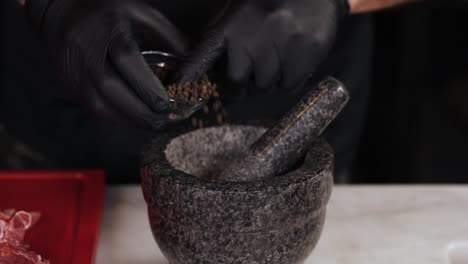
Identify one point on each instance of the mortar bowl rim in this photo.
(155, 166)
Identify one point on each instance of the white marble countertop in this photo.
(364, 225)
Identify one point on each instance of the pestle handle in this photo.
(202, 58)
(281, 146)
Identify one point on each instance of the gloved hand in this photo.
(279, 43)
(97, 46)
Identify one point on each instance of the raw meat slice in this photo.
(13, 227)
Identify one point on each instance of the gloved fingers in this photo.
(92, 100)
(267, 67)
(151, 26)
(130, 64)
(297, 52)
(293, 49)
(101, 107)
(75, 66)
(240, 65)
(240, 36)
(114, 91)
(267, 58)
(300, 64)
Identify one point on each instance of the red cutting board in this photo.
(70, 203)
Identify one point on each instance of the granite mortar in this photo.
(197, 219)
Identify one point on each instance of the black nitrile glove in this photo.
(279, 43)
(97, 46)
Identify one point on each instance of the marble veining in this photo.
(364, 225)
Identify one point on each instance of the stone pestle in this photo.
(281, 146)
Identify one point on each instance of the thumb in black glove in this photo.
(97, 46)
(279, 43)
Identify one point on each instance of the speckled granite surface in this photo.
(288, 140)
(196, 219)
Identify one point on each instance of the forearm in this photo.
(362, 6)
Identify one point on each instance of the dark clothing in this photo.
(37, 109)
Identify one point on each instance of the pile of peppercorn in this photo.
(190, 93)
(184, 94)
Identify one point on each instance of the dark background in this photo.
(417, 125)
